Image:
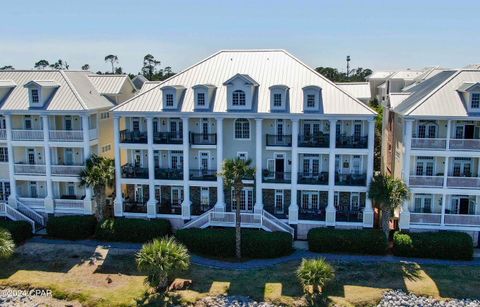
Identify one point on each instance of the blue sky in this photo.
(376, 34)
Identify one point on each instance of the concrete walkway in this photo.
(263, 263)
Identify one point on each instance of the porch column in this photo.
(258, 166)
(220, 205)
(444, 203)
(331, 211)
(186, 170)
(12, 199)
(449, 132)
(405, 213)
(368, 211)
(49, 205)
(118, 203)
(152, 202)
(293, 208)
(87, 202)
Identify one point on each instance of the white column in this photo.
(186, 171)
(444, 202)
(258, 166)
(12, 199)
(118, 204)
(405, 213)
(152, 202)
(220, 205)
(87, 202)
(293, 208)
(49, 205)
(449, 131)
(368, 211)
(330, 212)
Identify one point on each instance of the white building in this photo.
(310, 142)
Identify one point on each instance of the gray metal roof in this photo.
(265, 67)
(108, 84)
(359, 90)
(138, 81)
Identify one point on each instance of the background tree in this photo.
(85, 67)
(98, 174)
(6, 244)
(388, 194)
(150, 65)
(113, 59)
(233, 173)
(60, 64)
(356, 75)
(41, 64)
(7, 67)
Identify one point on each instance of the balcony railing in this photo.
(316, 140)
(68, 204)
(276, 177)
(138, 137)
(279, 140)
(426, 143)
(27, 135)
(352, 142)
(313, 178)
(37, 202)
(130, 171)
(168, 174)
(29, 169)
(425, 218)
(351, 216)
(351, 179)
(426, 181)
(3, 134)
(315, 214)
(203, 175)
(462, 219)
(167, 138)
(134, 207)
(66, 135)
(93, 134)
(203, 139)
(167, 207)
(465, 144)
(66, 170)
(463, 182)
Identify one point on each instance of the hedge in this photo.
(71, 227)
(20, 230)
(132, 230)
(441, 245)
(360, 241)
(221, 242)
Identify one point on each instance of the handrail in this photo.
(16, 215)
(191, 223)
(278, 223)
(30, 213)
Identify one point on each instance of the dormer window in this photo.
(35, 96)
(172, 97)
(277, 100)
(240, 92)
(203, 95)
(312, 98)
(278, 97)
(311, 101)
(475, 101)
(201, 99)
(238, 98)
(169, 100)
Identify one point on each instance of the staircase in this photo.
(264, 220)
(31, 214)
(23, 213)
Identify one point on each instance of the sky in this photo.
(376, 34)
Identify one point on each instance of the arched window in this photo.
(238, 98)
(242, 128)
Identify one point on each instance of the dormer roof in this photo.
(469, 87)
(42, 83)
(208, 86)
(7, 84)
(247, 78)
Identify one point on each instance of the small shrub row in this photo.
(221, 242)
(71, 227)
(132, 230)
(360, 241)
(19, 230)
(441, 245)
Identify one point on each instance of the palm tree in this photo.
(98, 174)
(112, 59)
(6, 244)
(41, 64)
(388, 194)
(233, 173)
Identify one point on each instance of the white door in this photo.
(246, 200)
(33, 189)
(204, 158)
(68, 156)
(68, 123)
(280, 131)
(176, 160)
(31, 156)
(176, 128)
(205, 129)
(279, 202)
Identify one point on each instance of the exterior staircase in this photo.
(264, 220)
(23, 213)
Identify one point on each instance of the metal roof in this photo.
(266, 67)
(149, 85)
(359, 90)
(7, 83)
(380, 75)
(138, 81)
(108, 84)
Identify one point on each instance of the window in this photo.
(3, 154)
(169, 100)
(310, 101)
(201, 99)
(277, 100)
(242, 129)
(204, 199)
(279, 201)
(238, 98)
(106, 148)
(4, 190)
(35, 96)
(177, 196)
(71, 188)
(475, 100)
(104, 115)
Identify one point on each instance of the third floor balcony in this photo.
(344, 141)
(133, 136)
(280, 140)
(203, 138)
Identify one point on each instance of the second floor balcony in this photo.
(66, 170)
(464, 144)
(343, 141)
(66, 135)
(3, 134)
(136, 137)
(27, 135)
(167, 138)
(168, 174)
(276, 177)
(426, 181)
(463, 182)
(30, 169)
(280, 140)
(351, 179)
(203, 175)
(314, 140)
(320, 178)
(203, 138)
(132, 171)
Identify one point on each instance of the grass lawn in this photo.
(83, 274)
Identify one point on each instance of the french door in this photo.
(311, 165)
(176, 128)
(246, 200)
(310, 200)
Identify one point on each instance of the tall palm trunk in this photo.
(238, 230)
(386, 214)
(100, 202)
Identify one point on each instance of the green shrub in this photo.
(221, 242)
(19, 230)
(441, 245)
(360, 241)
(7, 246)
(161, 259)
(132, 230)
(71, 227)
(315, 273)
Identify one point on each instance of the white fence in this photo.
(27, 135)
(66, 135)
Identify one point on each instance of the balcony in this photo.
(66, 135)
(276, 177)
(203, 175)
(463, 182)
(3, 134)
(134, 207)
(279, 140)
(27, 135)
(313, 178)
(66, 170)
(68, 204)
(433, 144)
(167, 207)
(30, 169)
(319, 141)
(465, 144)
(167, 138)
(203, 139)
(130, 171)
(462, 220)
(352, 142)
(351, 179)
(426, 181)
(312, 214)
(350, 216)
(136, 137)
(168, 174)
(425, 218)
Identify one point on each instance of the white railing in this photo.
(270, 218)
(425, 143)
(27, 135)
(2, 209)
(250, 219)
(66, 170)
(3, 134)
(426, 218)
(29, 212)
(36, 203)
(426, 181)
(93, 134)
(462, 219)
(464, 144)
(29, 169)
(66, 135)
(199, 221)
(16, 215)
(222, 217)
(463, 182)
(69, 204)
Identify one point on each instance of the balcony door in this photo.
(68, 155)
(205, 129)
(31, 156)
(461, 205)
(427, 131)
(311, 128)
(176, 160)
(177, 197)
(465, 131)
(137, 158)
(311, 165)
(204, 160)
(33, 189)
(462, 167)
(357, 131)
(139, 196)
(310, 200)
(425, 166)
(136, 124)
(67, 123)
(176, 128)
(280, 130)
(279, 202)
(279, 165)
(27, 124)
(246, 200)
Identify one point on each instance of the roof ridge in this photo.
(75, 93)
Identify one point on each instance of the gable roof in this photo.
(139, 81)
(359, 90)
(42, 83)
(109, 84)
(265, 67)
